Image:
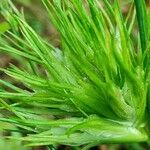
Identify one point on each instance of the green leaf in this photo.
(4, 26)
(142, 22)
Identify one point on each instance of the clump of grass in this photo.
(94, 89)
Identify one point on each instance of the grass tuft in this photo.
(94, 89)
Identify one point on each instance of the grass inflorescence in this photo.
(94, 89)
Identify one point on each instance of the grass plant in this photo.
(94, 89)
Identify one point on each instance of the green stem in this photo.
(130, 136)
